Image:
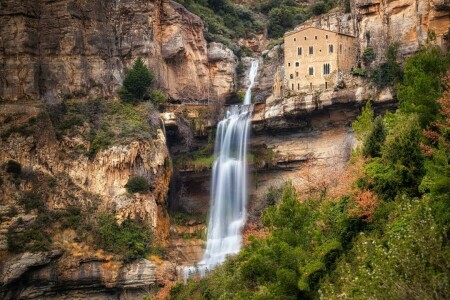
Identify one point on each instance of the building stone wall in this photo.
(314, 57)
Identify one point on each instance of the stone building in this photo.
(314, 58)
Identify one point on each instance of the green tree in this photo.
(136, 82)
(280, 19)
(375, 139)
(363, 124)
(421, 87)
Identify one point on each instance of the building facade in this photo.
(314, 58)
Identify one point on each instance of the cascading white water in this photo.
(251, 76)
(229, 185)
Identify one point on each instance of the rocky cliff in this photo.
(53, 50)
(59, 185)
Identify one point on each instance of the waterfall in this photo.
(229, 185)
(251, 76)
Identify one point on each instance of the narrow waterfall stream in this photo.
(229, 185)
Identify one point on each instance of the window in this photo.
(289, 64)
(311, 71)
(326, 69)
(315, 37)
(299, 50)
(326, 36)
(295, 39)
(330, 49)
(296, 74)
(305, 38)
(297, 64)
(326, 85)
(311, 50)
(292, 86)
(298, 86)
(291, 76)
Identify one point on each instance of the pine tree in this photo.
(136, 82)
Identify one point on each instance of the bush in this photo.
(158, 97)
(136, 82)
(369, 55)
(13, 167)
(131, 240)
(137, 184)
(319, 8)
(390, 72)
(359, 72)
(32, 200)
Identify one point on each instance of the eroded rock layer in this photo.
(52, 50)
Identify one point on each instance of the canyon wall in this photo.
(53, 50)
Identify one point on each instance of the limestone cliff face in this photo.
(74, 269)
(51, 50)
(106, 175)
(379, 23)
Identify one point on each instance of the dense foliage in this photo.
(387, 238)
(226, 22)
(137, 184)
(388, 73)
(131, 239)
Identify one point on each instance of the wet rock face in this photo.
(52, 50)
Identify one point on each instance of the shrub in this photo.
(390, 72)
(13, 167)
(158, 97)
(136, 82)
(319, 8)
(32, 200)
(131, 239)
(137, 184)
(359, 72)
(369, 55)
